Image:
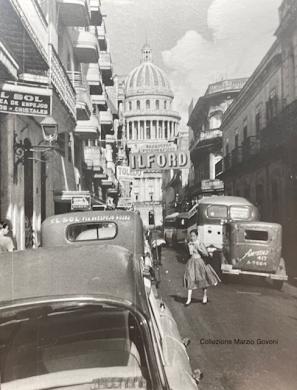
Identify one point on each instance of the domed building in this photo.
(150, 124)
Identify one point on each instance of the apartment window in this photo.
(69, 148)
(147, 104)
(138, 105)
(157, 104)
(271, 105)
(236, 141)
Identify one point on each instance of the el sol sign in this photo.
(166, 160)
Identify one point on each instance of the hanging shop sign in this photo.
(81, 202)
(25, 100)
(165, 160)
(125, 172)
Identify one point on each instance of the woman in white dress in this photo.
(197, 273)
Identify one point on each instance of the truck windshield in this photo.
(217, 212)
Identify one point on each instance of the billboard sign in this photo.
(81, 202)
(25, 100)
(160, 161)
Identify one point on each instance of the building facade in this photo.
(206, 136)
(54, 65)
(150, 124)
(259, 135)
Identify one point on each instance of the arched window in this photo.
(130, 106)
(165, 104)
(148, 104)
(138, 105)
(157, 104)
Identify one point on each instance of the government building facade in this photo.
(151, 126)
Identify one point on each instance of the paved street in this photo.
(242, 310)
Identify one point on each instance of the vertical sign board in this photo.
(25, 100)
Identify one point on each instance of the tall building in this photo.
(259, 135)
(150, 124)
(54, 66)
(206, 136)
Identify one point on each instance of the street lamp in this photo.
(49, 129)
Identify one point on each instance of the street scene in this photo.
(148, 194)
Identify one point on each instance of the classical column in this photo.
(152, 130)
(163, 129)
(127, 130)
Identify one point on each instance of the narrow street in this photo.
(252, 312)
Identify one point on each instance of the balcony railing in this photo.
(61, 82)
(83, 99)
(279, 129)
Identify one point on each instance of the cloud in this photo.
(242, 32)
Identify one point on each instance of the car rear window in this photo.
(256, 235)
(92, 231)
(217, 211)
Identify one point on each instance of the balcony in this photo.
(106, 68)
(62, 83)
(106, 120)
(209, 137)
(250, 147)
(280, 129)
(236, 156)
(94, 158)
(24, 32)
(101, 33)
(89, 129)
(8, 67)
(85, 46)
(74, 12)
(100, 100)
(83, 99)
(96, 15)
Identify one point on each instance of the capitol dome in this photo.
(147, 78)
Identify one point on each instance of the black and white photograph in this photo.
(148, 194)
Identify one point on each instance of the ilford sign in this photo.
(25, 100)
(167, 160)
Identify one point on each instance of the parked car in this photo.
(117, 227)
(254, 248)
(77, 317)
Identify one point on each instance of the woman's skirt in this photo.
(199, 275)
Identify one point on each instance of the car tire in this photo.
(277, 284)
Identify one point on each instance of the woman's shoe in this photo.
(204, 300)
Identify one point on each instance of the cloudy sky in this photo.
(196, 42)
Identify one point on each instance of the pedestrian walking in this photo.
(6, 243)
(198, 273)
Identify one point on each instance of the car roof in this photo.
(225, 200)
(91, 216)
(67, 271)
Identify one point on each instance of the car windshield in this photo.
(70, 342)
